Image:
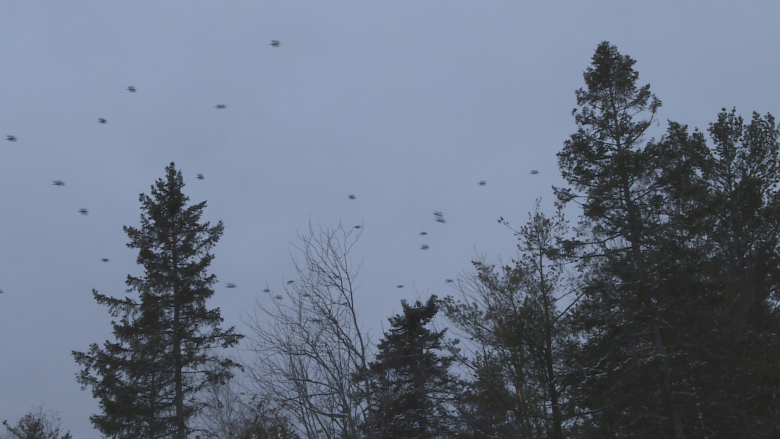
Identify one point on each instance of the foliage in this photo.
(146, 381)
(414, 388)
(36, 424)
(520, 336)
(677, 253)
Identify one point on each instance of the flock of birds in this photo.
(103, 121)
(438, 216)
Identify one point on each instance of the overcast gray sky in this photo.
(405, 104)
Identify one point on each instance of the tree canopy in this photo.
(163, 355)
(414, 389)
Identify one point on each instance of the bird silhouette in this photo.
(200, 177)
(290, 281)
(275, 43)
(266, 290)
(351, 197)
(423, 233)
(424, 247)
(449, 281)
(400, 286)
(439, 216)
(358, 227)
(482, 183)
(83, 211)
(101, 120)
(104, 259)
(231, 285)
(131, 89)
(220, 107)
(10, 138)
(278, 297)
(58, 183)
(534, 172)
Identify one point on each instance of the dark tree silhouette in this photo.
(146, 380)
(414, 390)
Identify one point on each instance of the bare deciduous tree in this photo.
(309, 345)
(229, 413)
(223, 412)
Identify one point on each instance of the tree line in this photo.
(655, 315)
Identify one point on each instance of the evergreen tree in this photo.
(741, 322)
(628, 311)
(163, 356)
(678, 267)
(36, 424)
(414, 390)
(521, 336)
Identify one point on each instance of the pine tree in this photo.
(414, 389)
(740, 338)
(679, 266)
(628, 312)
(521, 334)
(163, 356)
(36, 424)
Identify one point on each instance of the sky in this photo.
(407, 105)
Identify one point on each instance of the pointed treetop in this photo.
(611, 83)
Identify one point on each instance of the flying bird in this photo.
(439, 216)
(482, 183)
(400, 286)
(58, 183)
(83, 211)
(424, 247)
(275, 43)
(200, 177)
(278, 297)
(358, 227)
(101, 120)
(266, 290)
(449, 281)
(231, 285)
(290, 281)
(351, 197)
(104, 259)
(534, 172)
(220, 107)
(131, 89)
(423, 233)
(10, 138)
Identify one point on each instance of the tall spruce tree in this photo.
(414, 390)
(679, 266)
(628, 311)
(163, 356)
